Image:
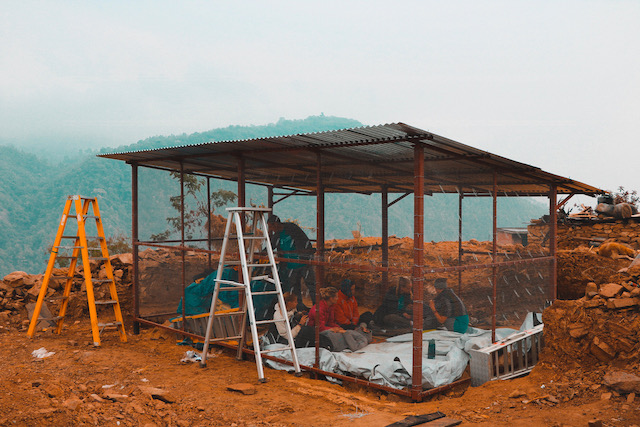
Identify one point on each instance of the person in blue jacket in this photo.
(291, 242)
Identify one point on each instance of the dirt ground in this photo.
(109, 385)
(143, 382)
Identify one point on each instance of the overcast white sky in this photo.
(555, 84)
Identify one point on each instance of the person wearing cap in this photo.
(291, 242)
(448, 309)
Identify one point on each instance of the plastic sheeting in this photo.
(390, 363)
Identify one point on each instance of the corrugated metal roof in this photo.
(361, 160)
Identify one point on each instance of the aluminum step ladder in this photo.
(80, 249)
(249, 245)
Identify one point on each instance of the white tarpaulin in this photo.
(390, 363)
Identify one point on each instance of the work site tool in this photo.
(249, 246)
(80, 249)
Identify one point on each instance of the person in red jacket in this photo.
(327, 320)
(346, 308)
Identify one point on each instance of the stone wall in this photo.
(571, 235)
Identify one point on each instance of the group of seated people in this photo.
(342, 326)
(445, 310)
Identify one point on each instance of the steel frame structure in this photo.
(311, 180)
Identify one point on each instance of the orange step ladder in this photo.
(81, 249)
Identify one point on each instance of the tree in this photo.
(626, 196)
(196, 215)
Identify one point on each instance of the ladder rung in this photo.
(106, 302)
(57, 298)
(108, 325)
(67, 256)
(94, 249)
(69, 247)
(273, 350)
(233, 313)
(230, 282)
(60, 277)
(101, 280)
(265, 322)
(90, 216)
(95, 237)
(255, 237)
(237, 337)
(54, 319)
(77, 237)
(264, 293)
(98, 258)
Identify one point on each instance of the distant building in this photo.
(512, 236)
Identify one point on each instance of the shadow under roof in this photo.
(359, 160)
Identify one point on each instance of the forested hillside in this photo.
(33, 192)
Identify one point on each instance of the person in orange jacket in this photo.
(346, 308)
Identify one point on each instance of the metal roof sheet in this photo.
(359, 160)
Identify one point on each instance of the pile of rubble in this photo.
(601, 329)
(18, 290)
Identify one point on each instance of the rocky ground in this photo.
(588, 373)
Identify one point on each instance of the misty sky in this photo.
(555, 84)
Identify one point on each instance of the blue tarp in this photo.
(199, 295)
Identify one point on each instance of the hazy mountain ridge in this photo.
(33, 193)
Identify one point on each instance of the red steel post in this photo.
(241, 204)
(553, 240)
(418, 263)
(183, 251)
(494, 255)
(134, 246)
(209, 221)
(319, 271)
(385, 241)
(460, 197)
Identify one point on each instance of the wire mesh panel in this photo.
(367, 262)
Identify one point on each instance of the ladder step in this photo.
(88, 237)
(53, 319)
(69, 247)
(230, 282)
(106, 302)
(60, 277)
(236, 337)
(275, 350)
(57, 298)
(248, 265)
(90, 216)
(98, 258)
(67, 256)
(255, 238)
(233, 313)
(264, 293)
(101, 280)
(109, 325)
(266, 322)
(88, 198)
